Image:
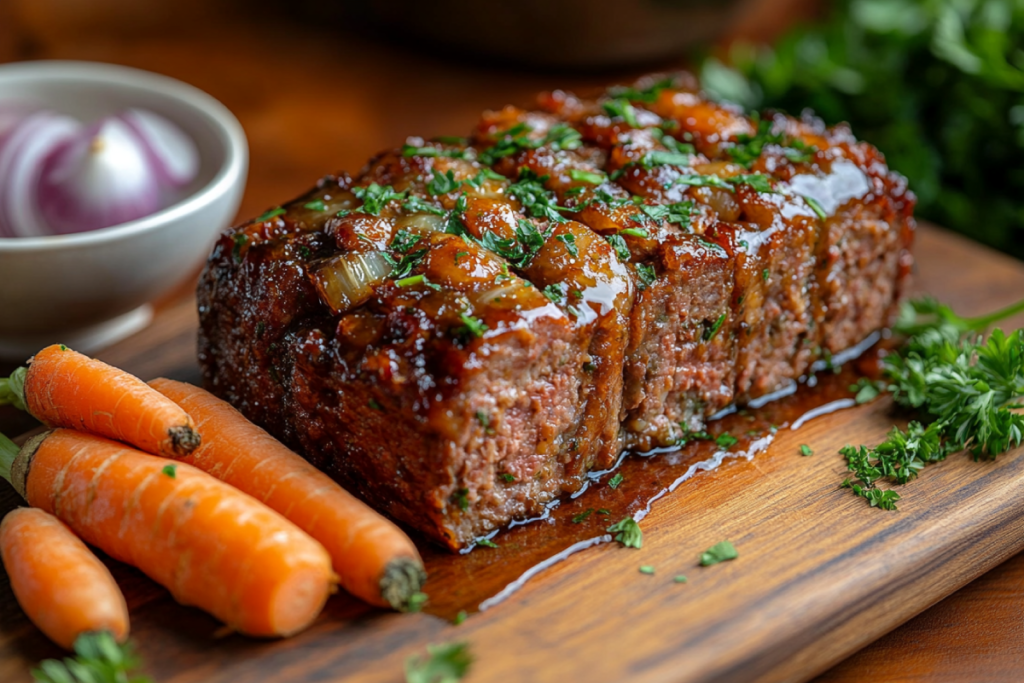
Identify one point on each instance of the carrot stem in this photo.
(8, 452)
(12, 389)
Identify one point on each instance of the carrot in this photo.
(373, 558)
(62, 388)
(210, 545)
(64, 589)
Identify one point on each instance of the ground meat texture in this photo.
(462, 331)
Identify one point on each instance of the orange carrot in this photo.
(64, 589)
(374, 559)
(62, 388)
(211, 545)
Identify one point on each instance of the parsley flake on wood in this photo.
(616, 479)
(720, 552)
(866, 390)
(460, 617)
(679, 579)
(805, 450)
(627, 532)
(444, 663)
(646, 569)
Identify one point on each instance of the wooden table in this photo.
(314, 100)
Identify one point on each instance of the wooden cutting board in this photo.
(820, 574)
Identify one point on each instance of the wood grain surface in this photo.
(314, 98)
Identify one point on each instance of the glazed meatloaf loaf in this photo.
(466, 328)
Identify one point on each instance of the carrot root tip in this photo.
(184, 439)
(403, 578)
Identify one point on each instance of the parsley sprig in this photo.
(444, 663)
(98, 659)
(965, 387)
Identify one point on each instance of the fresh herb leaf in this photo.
(416, 601)
(582, 516)
(816, 207)
(240, 239)
(537, 201)
(620, 247)
(646, 569)
(554, 292)
(759, 182)
(710, 332)
(508, 477)
(416, 205)
(616, 479)
(414, 151)
(627, 532)
(581, 176)
(569, 240)
(460, 618)
(621, 108)
(315, 205)
(867, 390)
(461, 498)
(649, 94)
(98, 659)
(473, 325)
(679, 579)
(805, 450)
(646, 275)
(272, 213)
(720, 552)
(726, 440)
(487, 543)
(635, 232)
(170, 471)
(375, 197)
(442, 183)
(444, 663)
(696, 180)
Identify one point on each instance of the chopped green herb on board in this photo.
(805, 450)
(627, 532)
(98, 659)
(720, 552)
(444, 663)
(646, 569)
(616, 479)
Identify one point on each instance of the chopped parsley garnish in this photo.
(805, 450)
(442, 183)
(240, 239)
(416, 601)
(620, 247)
(621, 108)
(678, 212)
(536, 200)
(554, 292)
(452, 140)
(689, 436)
(404, 240)
(759, 182)
(679, 579)
(710, 332)
(461, 498)
(375, 197)
(635, 232)
(413, 151)
(517, 138)
(315, 205)
(416, 205)
(460, 617)
(474, 326)
(372, 403)
(484, 175)
(444, 663)
(402, 243)
(627, 532)
(646, 275)
(273, 213)
(748, 148)
(487, 543)
(171, 471)
(603, 511)
(507, 477)
(569, 240)
(660, 158)
(590, 177)
(726, 440)
(646, 569)
(616, 479)
(703, 181)
(816, 207)
(582, 516)
(518, 250)
(720, 552)
(648, 94)
(418, 280)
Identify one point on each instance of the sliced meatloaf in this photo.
(466, 328)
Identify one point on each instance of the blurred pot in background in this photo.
(560, 33)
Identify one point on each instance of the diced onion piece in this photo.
(346, 281)
(23, 153)
(421, 223)
(171, 152)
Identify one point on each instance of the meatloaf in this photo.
(462, 331)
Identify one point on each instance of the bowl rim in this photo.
(226, 126)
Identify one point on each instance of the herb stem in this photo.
(982, 321)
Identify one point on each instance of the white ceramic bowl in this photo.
(89, 289)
